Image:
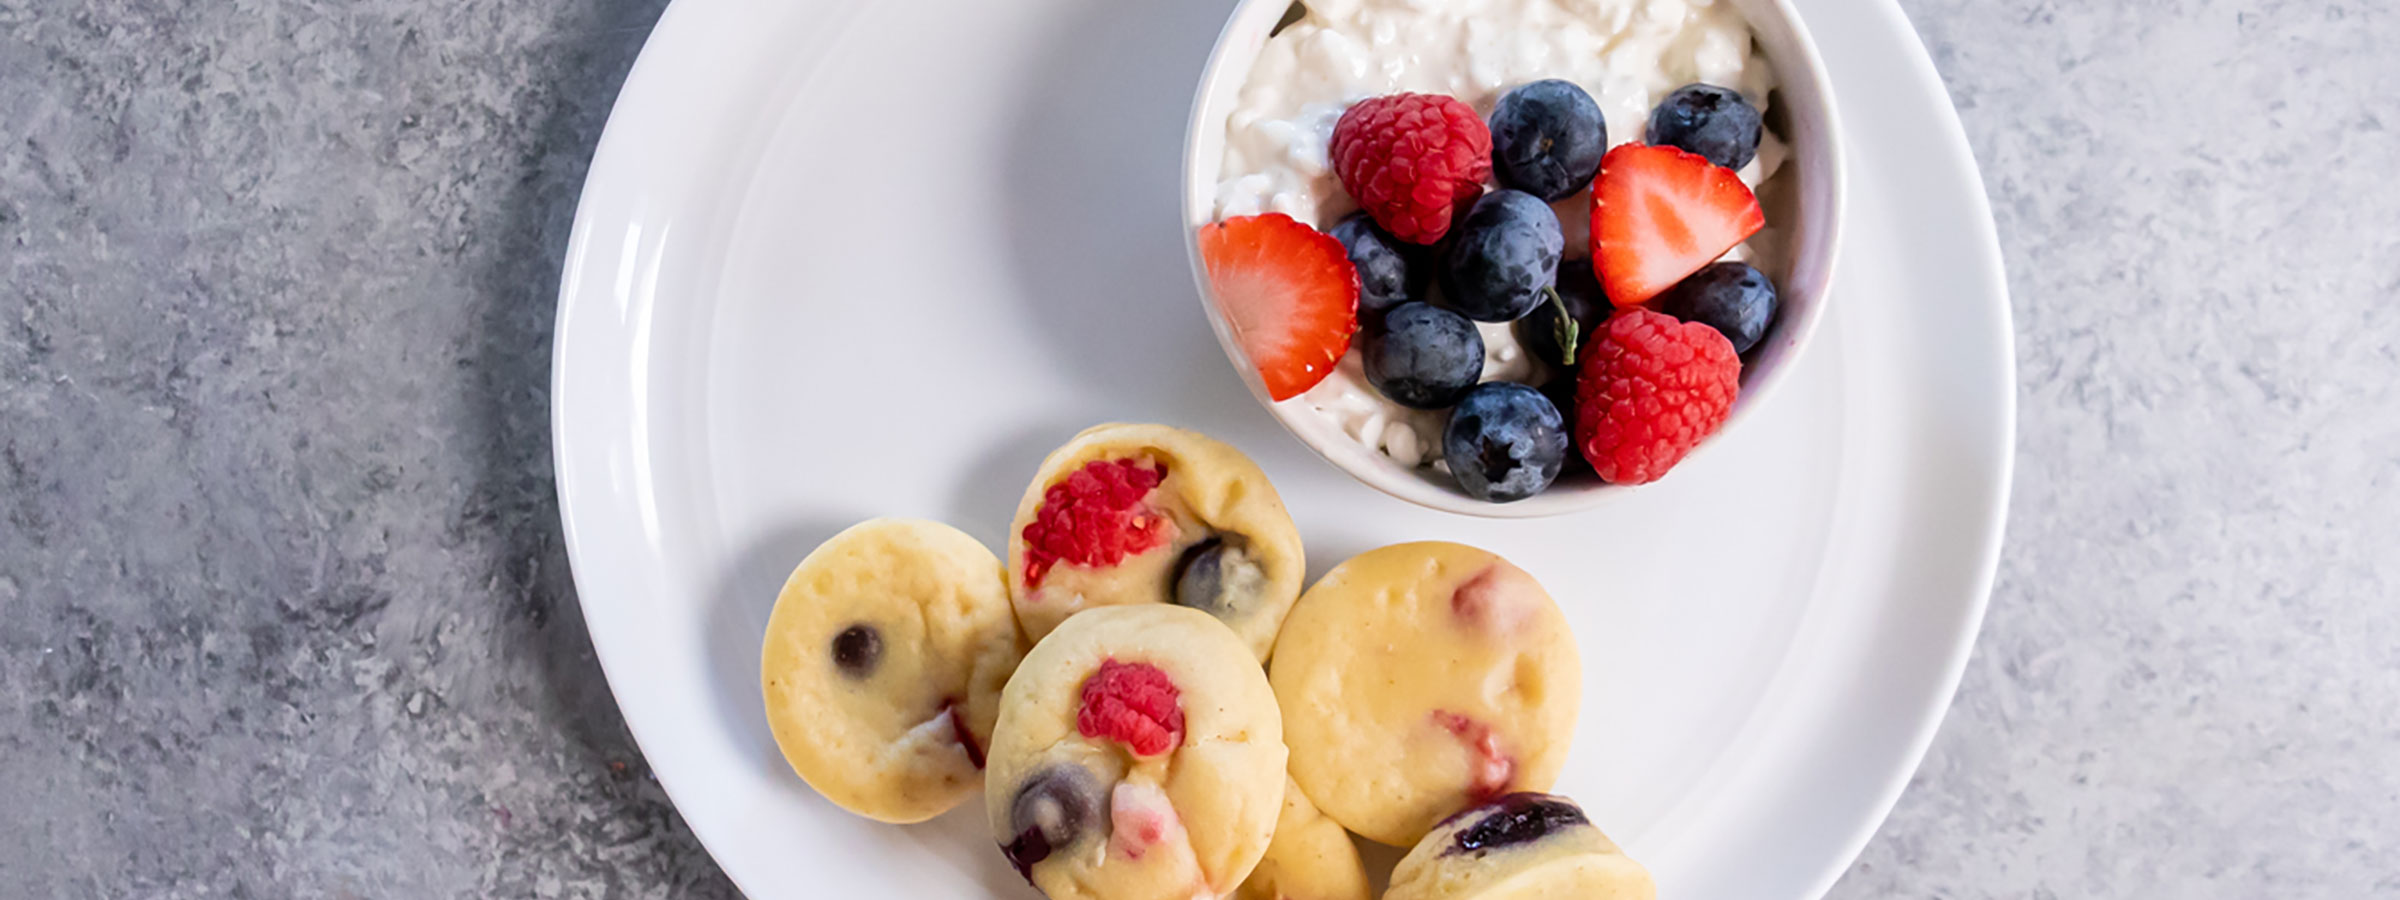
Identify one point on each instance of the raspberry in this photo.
(1651, 389)
(1134, 704)
(1096, 517)
(1412, 160)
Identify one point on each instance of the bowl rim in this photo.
(1824, 221)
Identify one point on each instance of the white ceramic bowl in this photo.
(1803, 203)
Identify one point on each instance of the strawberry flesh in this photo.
(1288, 291)
(1659, 214)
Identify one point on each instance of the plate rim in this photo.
(1984, 236)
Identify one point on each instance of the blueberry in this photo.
(1390, 273)
(1579, 289)
(1731, 297)
(1707, 120)
(1517, 819)
(1424, 356)
(1504, 442)
(1054, 808)
(856, 650)
(1218, 576)
(1547, 139)
(1506, 253)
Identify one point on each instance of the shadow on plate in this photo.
(738, 607)
(961, 840)
(1095, 174)
(984, 502)
(1379, 860)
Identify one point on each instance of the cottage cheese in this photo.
(1628, 54)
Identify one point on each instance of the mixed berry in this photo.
(1219, 576)
(1097, 517)
(1651, 389)
(1290, 293)
(1580, 301)
(1519, 818)
(1388, 274)
(1708, 120)
(1505, 442)
(1054, 808)
(1411, 160)
(1492, 768)
(1732, 297)
(1423, 356)
(1659, 214)
(856, 650)
(1639, 336)
(1134, 704)
(961, 732)
(1505, 257)
(1547, 139)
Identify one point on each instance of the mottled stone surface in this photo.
(2189, 681)
(283, 610)
(286, 613)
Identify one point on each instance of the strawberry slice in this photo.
(1660, 214)
(1290, 293)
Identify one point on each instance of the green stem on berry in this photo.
(1565, 329)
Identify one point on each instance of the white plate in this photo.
(839, 259)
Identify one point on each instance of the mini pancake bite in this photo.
(883, 664)
(1152, 514)
(1311, 858)
(1138, 756)
(1419, 679)
(1519, 847)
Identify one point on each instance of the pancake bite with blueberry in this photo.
(883, 664)
(1138, 756)
(1519, 847)
(1311, 858)
(1420, 679)
(1152, 514)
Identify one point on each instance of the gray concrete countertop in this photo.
(283, 610)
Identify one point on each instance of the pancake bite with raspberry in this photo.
(1138, 756)
(1311, 858)
(883, 664)
(1151, 514)
(1519, 847)
(1420, 679)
